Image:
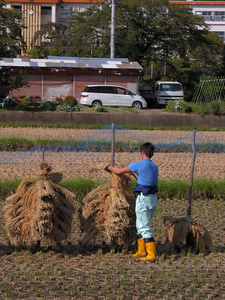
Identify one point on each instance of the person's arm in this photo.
(118, 170)
(134, 174)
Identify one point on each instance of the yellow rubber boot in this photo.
(151, 250)
(141, 249)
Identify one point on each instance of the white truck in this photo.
(167, 90)
(162, 92)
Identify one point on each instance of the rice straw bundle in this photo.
(185, 230)
(40, 208)
(188, 232)
(110, 209)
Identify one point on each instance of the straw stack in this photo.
(188, 232)
(40, 208)
(109, 209)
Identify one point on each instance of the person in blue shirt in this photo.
(146, 173)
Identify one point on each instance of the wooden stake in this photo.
(191, 175)
(113, 145)
(43, 154)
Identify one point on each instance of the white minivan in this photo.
(111, 95)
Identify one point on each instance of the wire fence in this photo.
(84, 154)
(209, 89)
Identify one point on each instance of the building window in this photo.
(65, 12)
(18, 8)
(212, 15)
(219, 15)
(46, 11)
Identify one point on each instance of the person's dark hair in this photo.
(148, 149)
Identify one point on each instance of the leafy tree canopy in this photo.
(11, 43)
(89, 32)
(50, 39)
(150, 32)
(168, 40)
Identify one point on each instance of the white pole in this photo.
(112, 42)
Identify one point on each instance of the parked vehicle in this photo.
(162, 93)
(167, 90)
(111, 95)
(147, 92)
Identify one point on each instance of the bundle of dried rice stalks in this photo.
(109, 209)
(188, 232)
(40, 208)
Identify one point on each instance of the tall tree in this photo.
(168, 40)
(143, 28)
(50, 39)
(11, 43)
(89, 32)
(11, 40)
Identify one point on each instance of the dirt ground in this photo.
(91, 164)
(101, 272)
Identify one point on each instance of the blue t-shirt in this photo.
(147, 172)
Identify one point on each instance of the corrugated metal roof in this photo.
(81, 63)
(86, 58)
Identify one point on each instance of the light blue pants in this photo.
(145, 209)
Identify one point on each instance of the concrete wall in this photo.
(151, 119)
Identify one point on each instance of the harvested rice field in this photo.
(90, 164)
(72, 271)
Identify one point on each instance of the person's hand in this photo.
(107, 168)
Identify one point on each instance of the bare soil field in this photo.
(91, 165)
(101, 271)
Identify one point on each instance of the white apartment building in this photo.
(212, 11)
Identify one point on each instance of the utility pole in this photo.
(112, 41)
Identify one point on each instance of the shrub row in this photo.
(69, 103)
(216, 108)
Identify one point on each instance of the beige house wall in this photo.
(31, 13)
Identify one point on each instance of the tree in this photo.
(167, 37)
(89, 32)
(50, 39)
(155, 33)
(11, 43)
(168, 40)
(204, 59)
